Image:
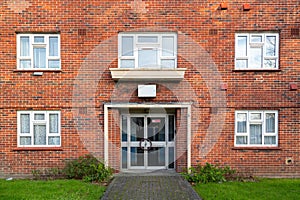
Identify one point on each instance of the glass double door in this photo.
(148, 141)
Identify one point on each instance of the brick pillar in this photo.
(181, 139)
(114, 141)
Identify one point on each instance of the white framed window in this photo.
(256, 128)
(256, 51)
(39, 129)
(38, 51)
(147, 50)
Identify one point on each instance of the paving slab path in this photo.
(150, 186)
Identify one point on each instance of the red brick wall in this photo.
(88, 32)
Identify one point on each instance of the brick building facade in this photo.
(148, 84)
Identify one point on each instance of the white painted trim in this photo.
(189, 137)
(147, 74)
(106, 135)
(182, 105)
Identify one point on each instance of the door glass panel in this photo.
(171, 127)
(137, 156)
(171, 158)
(136, 128)
(124, 157)
(124, 129)
(156, 156)
(156, 129)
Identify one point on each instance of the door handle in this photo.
(145, 144)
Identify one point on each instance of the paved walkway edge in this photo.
(145, 186)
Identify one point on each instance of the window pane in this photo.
(242, 123)
(241, 64)
(25, 123)
(168, 46)
(127, 46)
(39, 116)
(39, 135)
(256, 39)
(54, 141)
(53, 121)
(241, 139)
(255, 134)
(241, 46)
(53, 46)
(127, 64)
(255, 116)
(148, 58)
(25, 140)
(270, 46)
(24, 46)
(255, 57)
(169, 64)
(39, 57)
(54, 64)
(270, 63)
(124, 129)
(270, 139)
(270, 122)
(25, 64)
(39, 39)
(147, 39)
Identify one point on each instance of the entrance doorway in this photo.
(147, 141)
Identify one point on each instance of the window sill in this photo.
(256, 70)
(38, 70)
(256, 148)
(147, 74)
(38, 149)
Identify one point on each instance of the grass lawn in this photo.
(263, 189)
(57, 189)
